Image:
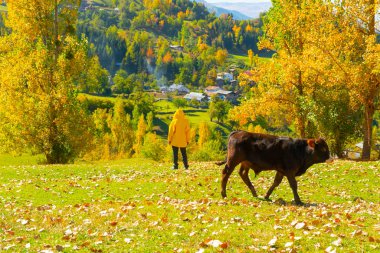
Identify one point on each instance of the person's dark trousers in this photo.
(175, 157)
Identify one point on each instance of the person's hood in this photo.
(179, 114)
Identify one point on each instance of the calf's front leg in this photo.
(293, 185)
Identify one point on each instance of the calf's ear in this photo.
(311, 143)
(320, 140)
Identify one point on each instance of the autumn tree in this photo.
(236, 29)
(154, 147)
(250, 57)
(140, 133)
(42, 60)
(204, 133)
(121, 131)
(324, 70)
(353, 50)
(221, 56)
(283, 84)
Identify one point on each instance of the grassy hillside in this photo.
(142, 206)
(244, 58)
(166, 110)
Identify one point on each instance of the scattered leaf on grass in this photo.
(330, 249)
(273, 241)
(113, 223)
(337, 242)
(288, 244)
(214, 243)
(300, 225)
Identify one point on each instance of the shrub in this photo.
(154, 147)
(210, 151)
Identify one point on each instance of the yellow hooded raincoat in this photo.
(179, 130)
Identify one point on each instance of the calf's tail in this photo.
(225, 159)
(222, 162)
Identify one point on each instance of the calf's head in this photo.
(320, 150)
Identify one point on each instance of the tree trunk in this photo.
(301, 127)
(369, 110)
(367, 140)
(56, 42)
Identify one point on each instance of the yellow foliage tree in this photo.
(204, 133)
(221, 56)
(201, 45)
(256, 129)
(345, 44)
(251, 57)
(236, 29)
(41, 61)
(249, 28)
(325, 68)
(140, 134)
(122, 135)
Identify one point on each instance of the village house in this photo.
(212, 90)
(176, 47)
(225, 78)
(180, 89)
(200, 97)
(219, 81)
(220, 93)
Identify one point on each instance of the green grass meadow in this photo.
(264, 57)
(139, 205)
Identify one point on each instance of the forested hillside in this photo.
(323, 79)
(165, 41)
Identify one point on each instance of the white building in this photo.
(195, 96)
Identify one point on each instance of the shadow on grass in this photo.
(281, 202)
(161, 128)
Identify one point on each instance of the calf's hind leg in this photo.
(277, 180)
(244, 171)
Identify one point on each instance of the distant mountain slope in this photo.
(219, 11)
(252, 10)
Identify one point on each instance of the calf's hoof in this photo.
(299, 203)
(224, 195)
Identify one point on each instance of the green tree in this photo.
(149, 121)
(219, 109)
(97, 78)
(179, 102)
(121, 83)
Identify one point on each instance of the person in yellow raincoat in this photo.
(179, 137)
